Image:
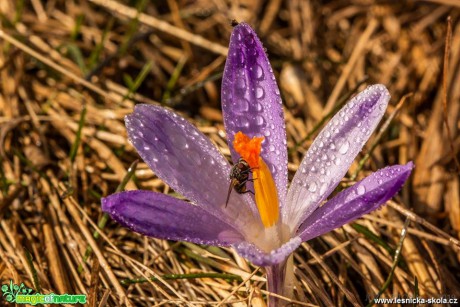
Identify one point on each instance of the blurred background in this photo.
(71, 70)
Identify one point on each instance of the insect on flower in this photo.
(239, 176)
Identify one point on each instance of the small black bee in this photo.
(239, 176)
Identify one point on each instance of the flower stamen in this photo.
(265, 191)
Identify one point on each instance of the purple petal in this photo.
(161, 216)
(187, 161)
(251, 102)
(365, 196)
(333, 151)
(260, 258)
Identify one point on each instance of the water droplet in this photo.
(259, 120)
(323, 189)
(277, 91)
(312, 188)
(241, 121)
(171, 161)
(344, 148)
(304, 170)
(361, 190)
(180, 141)
(259, 72)
(259, 92)
(271, 148)
(241, 105)
(313, 169)
(267, 132)
(240, 83)
(258, 106)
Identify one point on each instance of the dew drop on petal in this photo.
(180, 141)
(259, 120)
(259, 92)
(259, 72)
(312, 188)
(240, 83)
(258, 106)
(360, 190)
(344, 148)
(241, 105)
(244, 121)
(323, 189)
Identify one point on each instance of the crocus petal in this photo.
(333, 151)
(186, 160)
(260, 258)
(365, 196)
(165, 217)
(251, 102)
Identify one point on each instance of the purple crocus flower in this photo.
(266, 227)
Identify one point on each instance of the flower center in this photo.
(264, 186)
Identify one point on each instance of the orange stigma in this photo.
(266, 196)
(249, 149)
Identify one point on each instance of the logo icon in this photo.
(12, 290)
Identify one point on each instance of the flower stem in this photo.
(280, 280)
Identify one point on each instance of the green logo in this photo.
(22, 295)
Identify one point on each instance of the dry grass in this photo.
(60, 57)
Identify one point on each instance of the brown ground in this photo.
(58, 58)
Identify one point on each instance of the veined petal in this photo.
(186, 160)
(363, 197)
(251, 102)
(161, 216)
(260, 258)
(333, 151)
